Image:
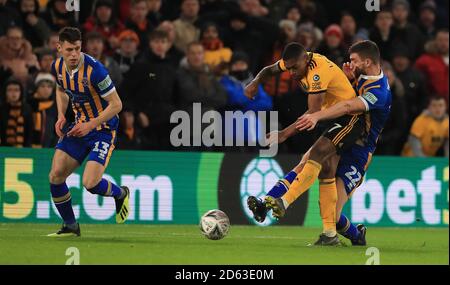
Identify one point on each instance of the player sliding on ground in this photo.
(326, 84)
(95, 103)
(375, 101)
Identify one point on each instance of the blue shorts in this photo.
(96, 145)
(352, 167)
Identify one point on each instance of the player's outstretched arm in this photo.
(62, 101)
(353, 106)
(267, 72)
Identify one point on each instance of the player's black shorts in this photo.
(345, 131)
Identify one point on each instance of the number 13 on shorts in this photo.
(103, 150)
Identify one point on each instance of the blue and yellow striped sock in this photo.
(347, 229)
(282, 185)
(63, 202)
(108, 189)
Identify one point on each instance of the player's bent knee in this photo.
(56, 176)
(90, 183)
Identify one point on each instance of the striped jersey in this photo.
(375, 93)
(86, 86)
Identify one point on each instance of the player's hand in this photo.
(251, 89)
(59, 126)
(81, 129)
(275, 137)
(307, 122)
(349, 70)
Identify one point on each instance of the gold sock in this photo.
(327, 205)
(304, 180)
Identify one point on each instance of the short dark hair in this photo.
(194, 43)
(293, 50)
(69, 34)
(434, 97)
(158, 34)
(366, 49)
(92, 36)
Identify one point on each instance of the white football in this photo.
(214, 224)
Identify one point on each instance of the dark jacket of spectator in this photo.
(8, 17)
(35, 29)
(57, 17)
(199, 86)
(149, 88)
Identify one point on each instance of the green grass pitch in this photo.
(184, 244)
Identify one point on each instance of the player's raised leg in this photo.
(94, 183)
(258, 206)
(320, 152)
(62, 166)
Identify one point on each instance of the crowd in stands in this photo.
(165, 55)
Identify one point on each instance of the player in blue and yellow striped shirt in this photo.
(85, 84)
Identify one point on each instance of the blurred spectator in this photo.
(35, 29)
(234, 83)
(8, 17)
(215, 52)
(95, 47)
(427, 18)
(414, 85)
(197, 84)
(129, 135)
(43, 107)
(185, 29)
(293, 13)
(15, 116)
(52, 43)
(138, 21)
(57, 16)
(382, 33)
(332, 47)
(154, 16)
(281, 83)
(106, 23)
(430, 131)
(45, 58)
(174, 54)
(395, 130)
(253, 8)
(16, 54)
(127, 52)
(434, 64)
(350, 31)
(149, 88)
(243, 37)
(309, 36)
(404, 31)
(239, 76)
(313, 12)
